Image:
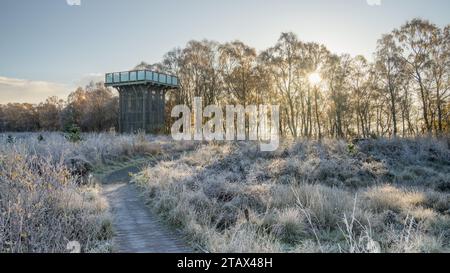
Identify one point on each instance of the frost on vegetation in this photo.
(380, 196)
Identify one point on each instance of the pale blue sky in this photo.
(52, 42)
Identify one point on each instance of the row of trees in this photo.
(93, 108)
(404, 91)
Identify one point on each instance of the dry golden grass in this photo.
(388, 197)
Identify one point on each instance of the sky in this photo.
(49, 47)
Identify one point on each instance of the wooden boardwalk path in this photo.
(137, 229)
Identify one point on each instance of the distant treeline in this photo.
(93, 109)
(404, 91)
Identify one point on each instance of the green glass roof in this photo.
(141, 77)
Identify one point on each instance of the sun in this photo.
(314, 78)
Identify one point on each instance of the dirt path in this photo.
(137, 229)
